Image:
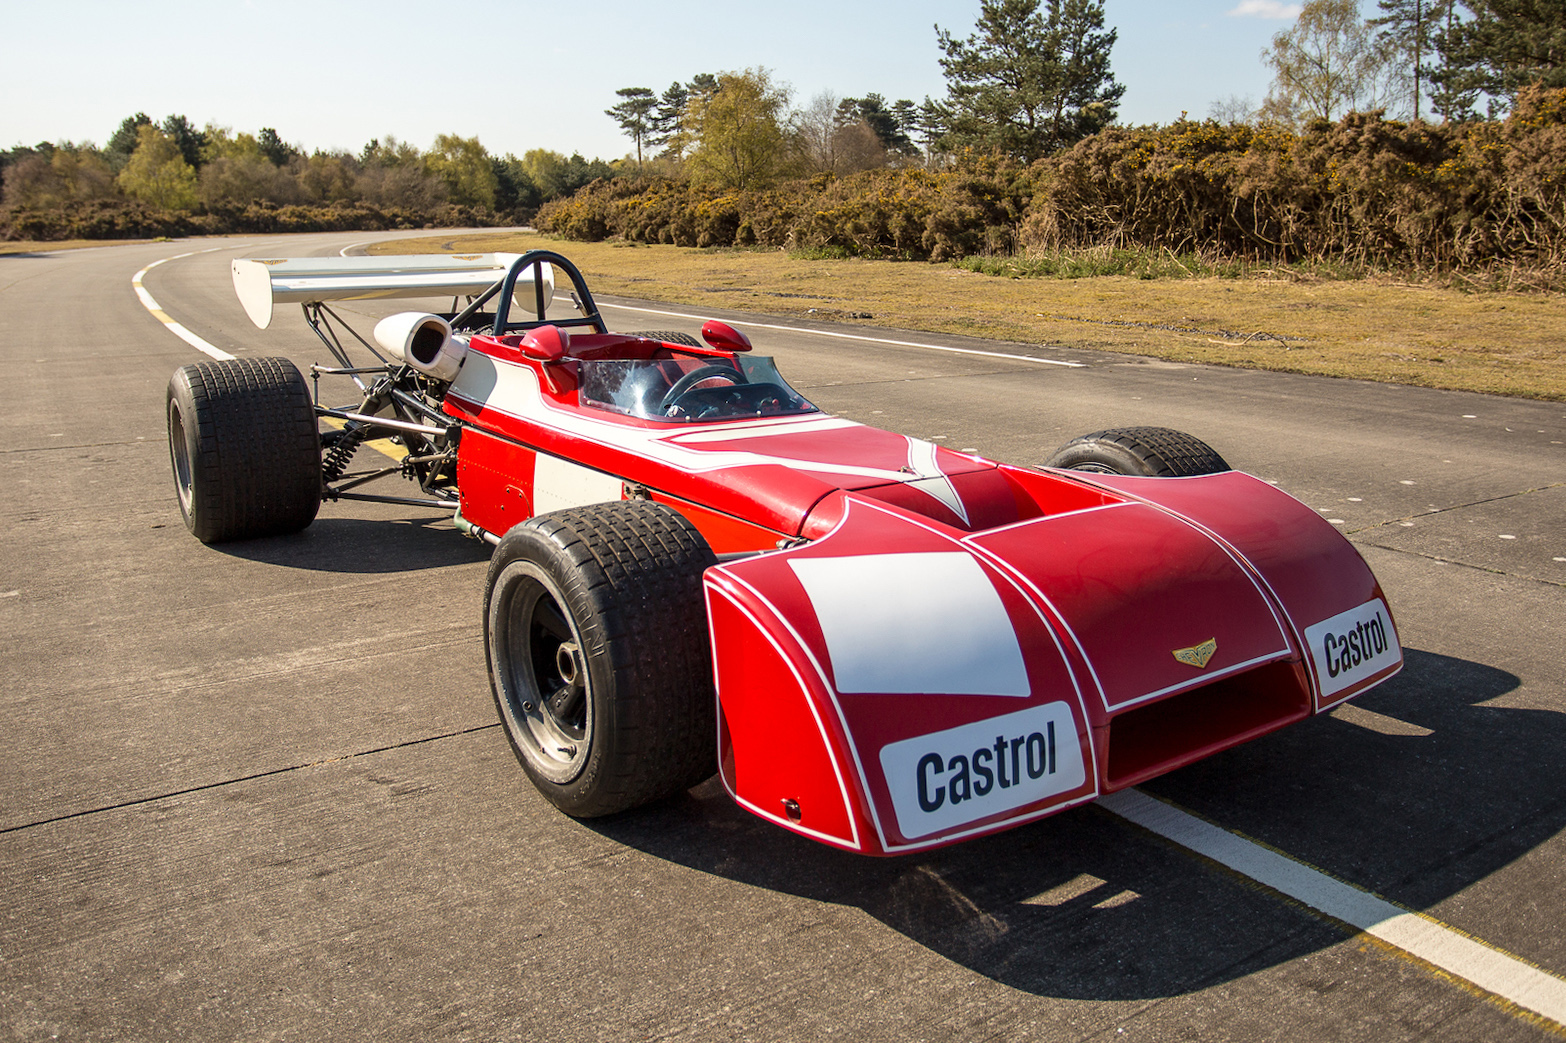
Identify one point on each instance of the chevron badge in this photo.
(1197, 655)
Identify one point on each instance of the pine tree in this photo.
(1505, 46)
(1454, 87)
(274, 148)
(872, 111)
(1028, 82)
(634, 113)
(192, 142)
(668, 117)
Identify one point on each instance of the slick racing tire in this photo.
(668, 337)
(244, 447)
(595, 632)
(1152, 452)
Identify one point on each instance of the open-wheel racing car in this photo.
(875, 641)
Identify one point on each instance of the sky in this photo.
(523, 74)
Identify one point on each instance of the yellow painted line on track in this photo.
(385, 446)
(156, 309)
(1492, 970)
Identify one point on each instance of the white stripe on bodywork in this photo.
(911, 623)
(486, 382)
(558, 484)
(922, 460)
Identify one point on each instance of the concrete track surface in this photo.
(258, 791)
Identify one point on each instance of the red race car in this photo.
(875, 641)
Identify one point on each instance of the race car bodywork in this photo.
(879, 643)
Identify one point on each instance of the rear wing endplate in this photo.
(264, 283)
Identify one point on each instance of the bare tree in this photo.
(815, 127)
(1233, 109)
(1329, 64)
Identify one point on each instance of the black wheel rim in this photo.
(542, 674)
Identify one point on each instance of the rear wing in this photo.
(264, 283)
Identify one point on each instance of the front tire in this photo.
(1151, 452)
(599, 660)
(244, 447)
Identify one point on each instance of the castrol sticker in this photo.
(964, 774)
(1352, 646)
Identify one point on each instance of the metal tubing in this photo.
(414, 403)
(407, 500)
(382, 421)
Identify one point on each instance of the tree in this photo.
(815, 128)
(465, 167)
(1328, 64)
(1454, 89)
(1505, 46)
(190, 141)
(157, 172)
(738, 128)
(236, 173)
(556, 176)
(634, 113)
(831, 137)
(670, 122)
(276, 151)
(1028, 82)
(327, 177)
(1232, 109)
(50, 175)
(668, 118)
(872, 111)
(1419, 33)
(123, 141)
(514, 189)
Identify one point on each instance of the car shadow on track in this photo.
(1083, 905)
(365, 546)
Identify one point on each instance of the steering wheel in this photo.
(696, 376)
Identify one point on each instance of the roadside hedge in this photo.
(127, 219)
(1364, 190)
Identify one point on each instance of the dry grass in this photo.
(1497, 343)
(30, 247)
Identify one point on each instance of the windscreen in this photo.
(689, 390)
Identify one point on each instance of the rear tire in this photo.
(244, 447)
(1152, 452)
(599, 661)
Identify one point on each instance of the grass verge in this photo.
(1370, 329)
(27, 247)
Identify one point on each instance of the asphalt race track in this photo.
(258, 791)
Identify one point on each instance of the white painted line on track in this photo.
(1423, 937)
(151, 304)
(855, 336)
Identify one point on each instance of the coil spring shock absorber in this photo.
(335, 462)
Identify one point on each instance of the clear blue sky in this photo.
(522, 74)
